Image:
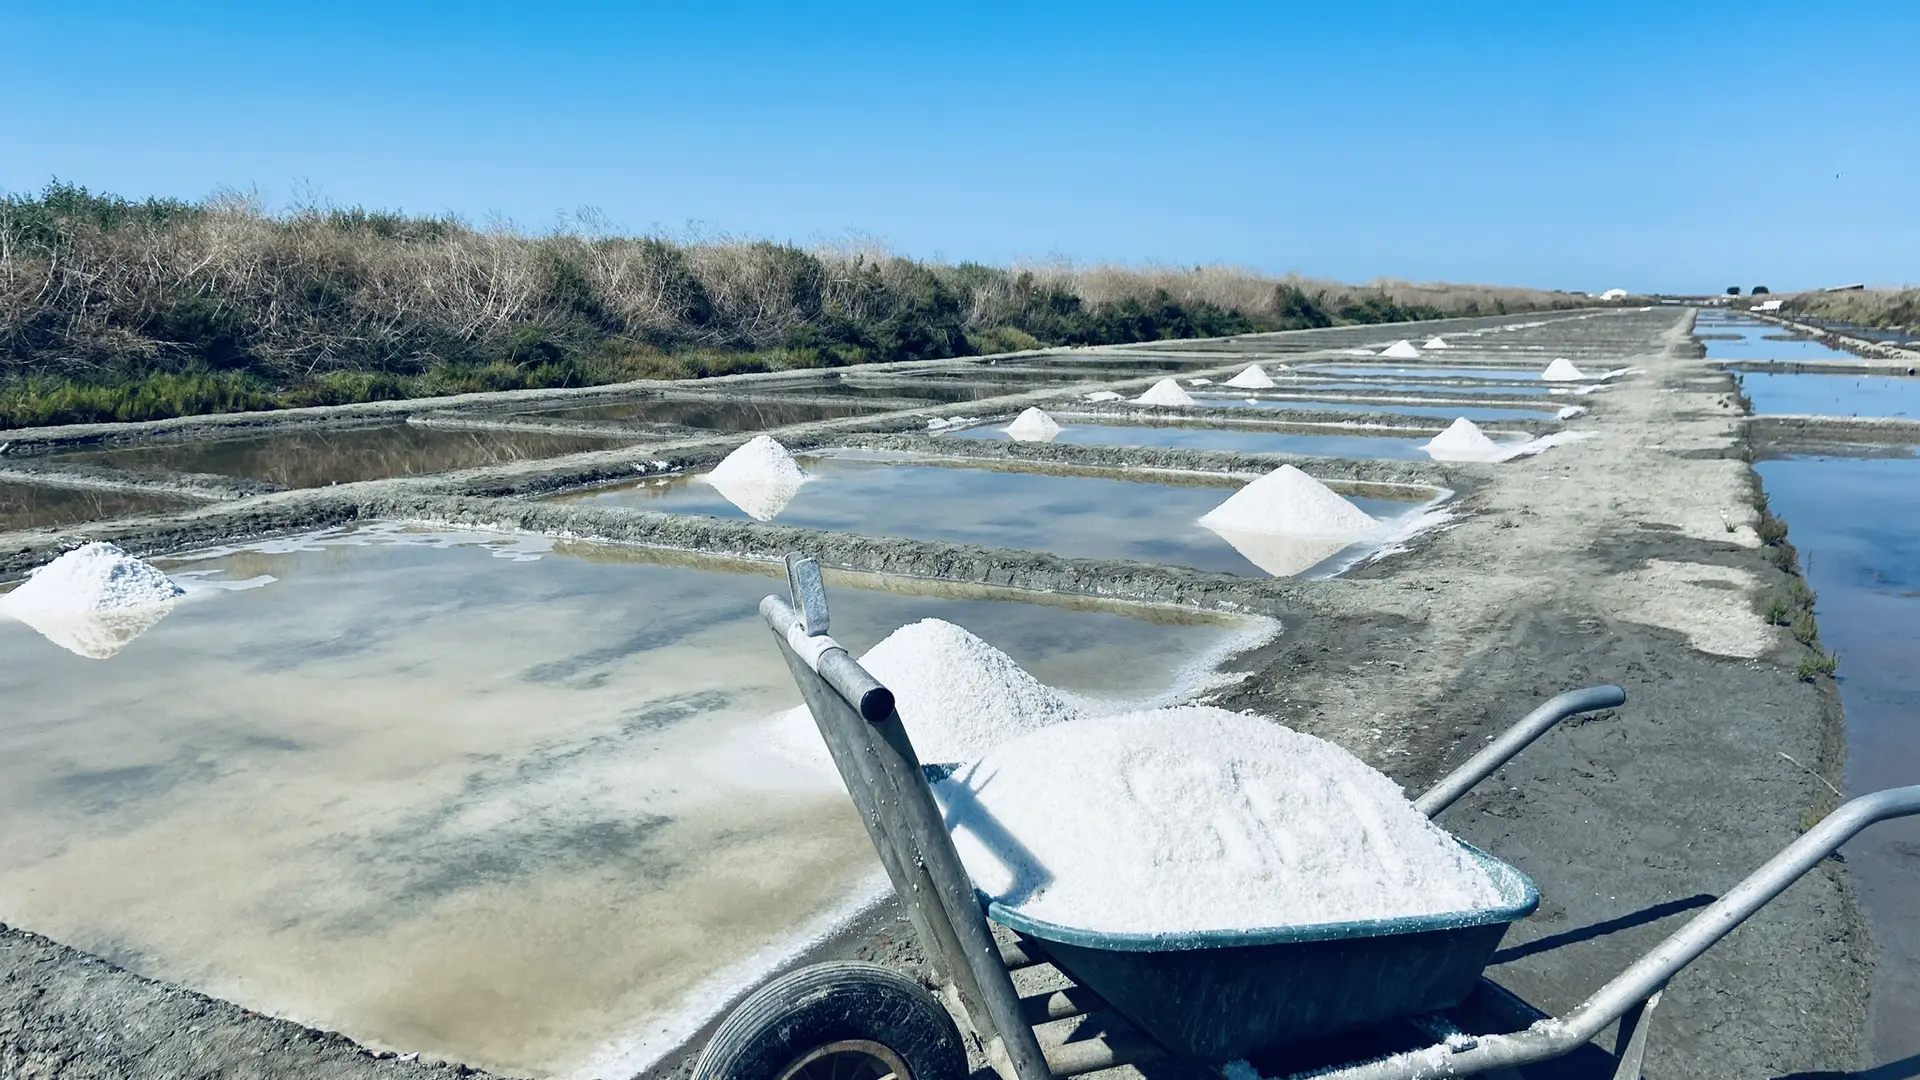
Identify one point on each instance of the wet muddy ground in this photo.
(1630, 557)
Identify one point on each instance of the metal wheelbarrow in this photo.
(1205, 999)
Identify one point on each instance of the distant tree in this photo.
(1760, 290)
(1733, 290)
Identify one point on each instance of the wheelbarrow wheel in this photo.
(839, 1021)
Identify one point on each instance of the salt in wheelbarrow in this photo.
(1205, 998)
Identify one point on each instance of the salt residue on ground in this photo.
(1562, 370)
(759, 477)
(1464, 441)
(1197, 819)
(1033, 425)
(1103, 395)
(1252, 377)
(1401, 350)
(1288, 502)
(1199, 382)
(93, 601)
(1165, 392)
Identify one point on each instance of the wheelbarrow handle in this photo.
(1647, 976)
(1515, 739)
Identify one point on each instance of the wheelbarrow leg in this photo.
(1630, 1045)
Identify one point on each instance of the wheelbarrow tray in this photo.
(1224, 995)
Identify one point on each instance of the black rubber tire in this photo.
(804, 1012)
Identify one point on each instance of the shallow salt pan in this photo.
(489, 798)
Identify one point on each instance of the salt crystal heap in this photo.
(1464, 441)
(1034, 425)
(1287, 521)
(1436, 343)
(1288, 502)
(1164, 392)
(1562, 370)
(1254, 377)
(957, 695)
(1103, 395)
(93, 601)
(760, 478)
(1401, 350)
(1196, 819)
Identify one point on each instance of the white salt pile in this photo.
(1436, 343)
(1033, 425)
(1288, 502)
(93, 600)
(1164, 392)
(1401, 350)
(760, 478)
(1103, 395)
(1199, 382)
(1253, 377)
(957, 695)
(1196, 819)
(1358, 352)
(1464, 441)
(1562, 370)
(1571, 411)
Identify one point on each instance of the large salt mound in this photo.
(957, 695)
(1288, 502)
(1197, 819)
(89, 580)
(1033, 425)
(1401, 350)
(1253, 377)
(1562, 370)
(93, 601)
(1436, 343)
(1464, 441)
(760, 478)
(1165, 392)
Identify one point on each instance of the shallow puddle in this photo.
(1747, 339)
(476, 797)
(1236, 440)
(316, 457)
(1853, 521)
(41, 506)
(715, 414)
(1502, 389)
(1368, 370)
(1832, 395)
(1475, 413)
(934, 391)
(1090, 517)
(1107, 366)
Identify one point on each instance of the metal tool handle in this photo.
(1515, 739)
(1645, 978)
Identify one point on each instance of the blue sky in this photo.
(1572, 146)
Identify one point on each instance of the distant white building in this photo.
(1614, 294)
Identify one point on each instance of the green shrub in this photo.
(1805, 630)
(1818, 662)
(1776, 611)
